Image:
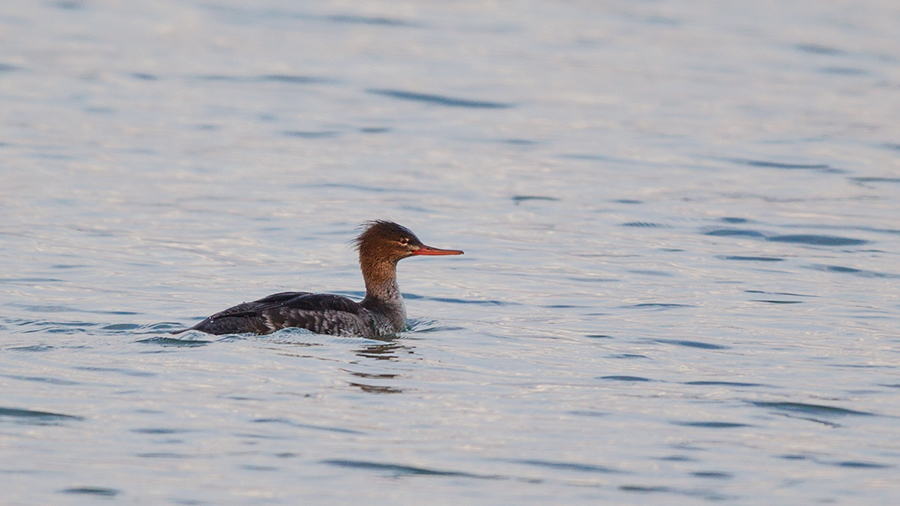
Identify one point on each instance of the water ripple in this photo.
(95, 491)
(625, 378)
(751, 259)
(724, 383)
(36, 417)
(311, 135)
(439, 99)
(808, 239)
(643, 224)
(39, 379)
(403, 470)
(368, 20)
(813, 48)
(524, 198)
(272, 78)
(819, 167)
(711, 425)
(306, 425)
(657, 305)
(817, 240)
(171, 341)
(810, 409)
(876, 179)
(861, 465)
(850, 270)
(691, 344)
(712, 474)
(733, 232)
(568, 466)
(487, 302)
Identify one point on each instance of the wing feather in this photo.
(320, 313)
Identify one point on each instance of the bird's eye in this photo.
(404, 241)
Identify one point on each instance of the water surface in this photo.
(681, 233)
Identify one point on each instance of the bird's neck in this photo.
(382, 292)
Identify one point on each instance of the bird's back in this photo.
(319, 313)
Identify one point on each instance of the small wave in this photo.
(650, 273)
(403, 470)
(292, 423)
(876, 179)
(751, 259)
(819, 167)
(292, 79)
(818, 49)
(712, 425)
(808, 239)
(733, 232)
(96, 491)
(49, 308)
(810, 409)
(376, 389)
(157, 431)
(486, 302)
(656, 305)
(36, 417)
(172, 341)
(724, 383)
(643, 224)
(817, 240)
(625, 378)
(850, 270)
(276, 78)
(692, 344)
(368, 20)
(789, 294)
(121, 326)
(164, 455)
(311, 135)
(439, 99)
(524, 198)
(856, 464)
(568, 466)
(35, 348)
(588, 413)
(30, 280)
(644, 489)
(713, 474)
(127, 372)
(41, 379)
(844, 71)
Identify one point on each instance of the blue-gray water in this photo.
(681, 223)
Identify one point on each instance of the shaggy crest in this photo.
(384, 230)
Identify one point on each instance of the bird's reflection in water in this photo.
(376, 389)
(385, 351)
(389, 351)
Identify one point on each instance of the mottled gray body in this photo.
(319, 313)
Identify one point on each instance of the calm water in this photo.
(681, 223)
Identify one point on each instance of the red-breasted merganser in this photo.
(381, 245)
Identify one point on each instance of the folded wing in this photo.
(319, 313)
